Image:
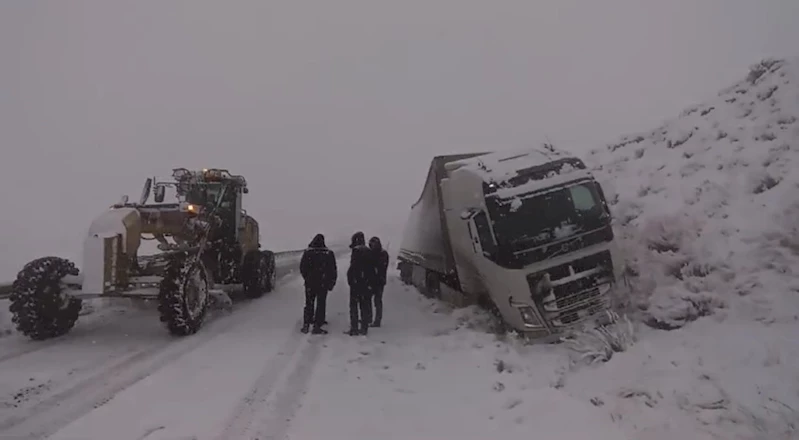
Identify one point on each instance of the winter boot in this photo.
(353, 332)
(305, 328)
(376, 324)
(319, 331)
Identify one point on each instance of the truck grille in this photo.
(576, 289)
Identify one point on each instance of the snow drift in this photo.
(707, 204)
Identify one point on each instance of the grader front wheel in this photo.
(38, 307)
(183, 299)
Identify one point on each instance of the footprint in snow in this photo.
(513, 403)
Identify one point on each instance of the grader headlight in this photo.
(191, 208)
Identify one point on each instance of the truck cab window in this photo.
(484, 233)
(582, 198)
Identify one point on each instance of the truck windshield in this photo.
(544, 218)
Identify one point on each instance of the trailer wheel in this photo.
(432, 285)
(183, 299)
(406, 272)
(38, 307)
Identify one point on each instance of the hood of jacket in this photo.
(317, 242)
(358, 239)
(375, 244)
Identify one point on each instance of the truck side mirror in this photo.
(160, 192)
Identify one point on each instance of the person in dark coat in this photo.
(318, 269)
(358, 279)
(378, 278)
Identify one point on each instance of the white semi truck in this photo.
(526, 234)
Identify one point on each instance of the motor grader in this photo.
(206, 244)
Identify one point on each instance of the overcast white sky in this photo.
(333, 109)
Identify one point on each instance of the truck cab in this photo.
(528, 233)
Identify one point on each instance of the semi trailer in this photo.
(526, 234)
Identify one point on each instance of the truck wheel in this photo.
(38, 307)
(497, 324)
(183, 298)
(257, 275)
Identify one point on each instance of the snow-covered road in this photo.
(252, 374)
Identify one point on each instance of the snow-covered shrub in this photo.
(598, 344)
(758, 70)
(669, 233)
(671, 307)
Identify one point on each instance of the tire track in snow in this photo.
(243, 414)
(55, 412)
(70, 338)
(288, 400)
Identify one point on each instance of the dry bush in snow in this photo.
(598, 344)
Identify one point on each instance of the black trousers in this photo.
(377, 295)
(315, 298)
(360, 308)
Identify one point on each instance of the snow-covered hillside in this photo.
(710, 199)
(707, 207)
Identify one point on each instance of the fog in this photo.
(333, 110)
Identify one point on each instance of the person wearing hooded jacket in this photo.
(318, 270)
(377, 282)
(358, 276)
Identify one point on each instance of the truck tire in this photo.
(38, 307)
(497, 324)
(432, 285)
(183, 298)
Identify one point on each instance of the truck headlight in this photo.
(527, 313)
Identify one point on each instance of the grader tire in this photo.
(183, 298)
(38, 306)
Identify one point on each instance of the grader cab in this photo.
(207, 245)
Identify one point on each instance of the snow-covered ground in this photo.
(252, 374)
(707, 209)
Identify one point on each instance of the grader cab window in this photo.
(208, 195)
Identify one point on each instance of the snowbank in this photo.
(707, 209)
(707, 204)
